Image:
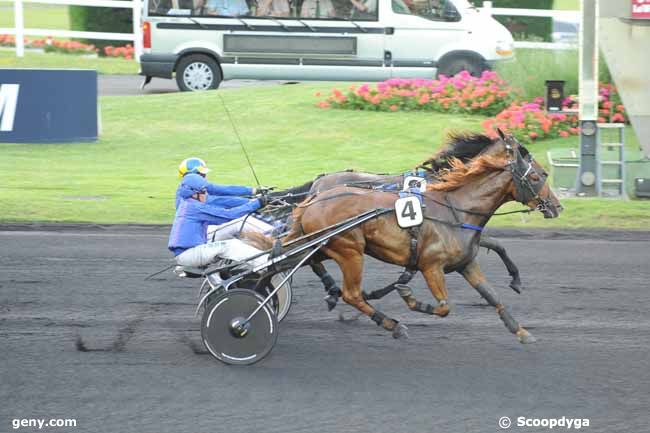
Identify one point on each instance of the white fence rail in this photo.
(19, 30)
(572, 16)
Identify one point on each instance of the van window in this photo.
(437, 10)
(362, 10)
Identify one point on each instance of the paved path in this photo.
(142, 367)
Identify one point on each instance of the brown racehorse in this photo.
(455, 210)
(461, 146)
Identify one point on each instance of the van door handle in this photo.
(389, 30)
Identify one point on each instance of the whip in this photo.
(250, 164)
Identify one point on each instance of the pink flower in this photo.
(393, 108)
(564, 134)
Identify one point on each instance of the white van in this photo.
(206, 41)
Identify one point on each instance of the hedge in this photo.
(525, 28)
(93, 19)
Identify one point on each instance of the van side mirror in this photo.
(449, 12)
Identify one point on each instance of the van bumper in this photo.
(157, 65)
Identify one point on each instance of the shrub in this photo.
(126, 52)
(50, 45)
(528, 122)
(462, 93)
(94, 19)
(531, 68)
(528, 28)
(610, 106)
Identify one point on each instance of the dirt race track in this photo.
(141, 366)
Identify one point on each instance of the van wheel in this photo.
(197, 72)
(452, 66)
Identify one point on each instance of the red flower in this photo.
(618, 118)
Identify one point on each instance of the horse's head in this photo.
(529, 185)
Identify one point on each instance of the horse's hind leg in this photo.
(475, 277)
(333, 291)
(494, 245)
(351, 264)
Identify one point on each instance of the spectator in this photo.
(317, 9)
(273, 8)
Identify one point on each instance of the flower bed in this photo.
(127, 52)
(610, 106)
(528, 122)
(50, 45)
(462, 93)
(488, 95)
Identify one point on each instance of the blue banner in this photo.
(48, 106)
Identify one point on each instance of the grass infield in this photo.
(129, 175)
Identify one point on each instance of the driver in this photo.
(224, 196)
(188, 237)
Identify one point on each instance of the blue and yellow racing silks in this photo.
(224, 196)
(193, 217)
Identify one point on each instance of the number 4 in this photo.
(408, 212)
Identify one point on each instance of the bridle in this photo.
(526, 189)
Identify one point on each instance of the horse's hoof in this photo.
(331, 302)
(441, 310)
(525, 337)
(355, 316)
(400, 331)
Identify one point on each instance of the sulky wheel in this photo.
(282, 299)
(229, 338)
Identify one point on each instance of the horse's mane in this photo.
(460, 174)
(460, 145)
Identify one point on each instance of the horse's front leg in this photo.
(476, 279)
(494, 245)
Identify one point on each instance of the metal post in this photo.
(137, 29)
(19, 24)
(587, 174)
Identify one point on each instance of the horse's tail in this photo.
(258, 240)
(264, 242)
(296, 226)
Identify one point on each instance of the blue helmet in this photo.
(192, 165)
(191, 184)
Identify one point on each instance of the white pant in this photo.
(232, 228)
(231, 249)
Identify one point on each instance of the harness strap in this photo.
(413, 258)
(452, 208)
(471, 227)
